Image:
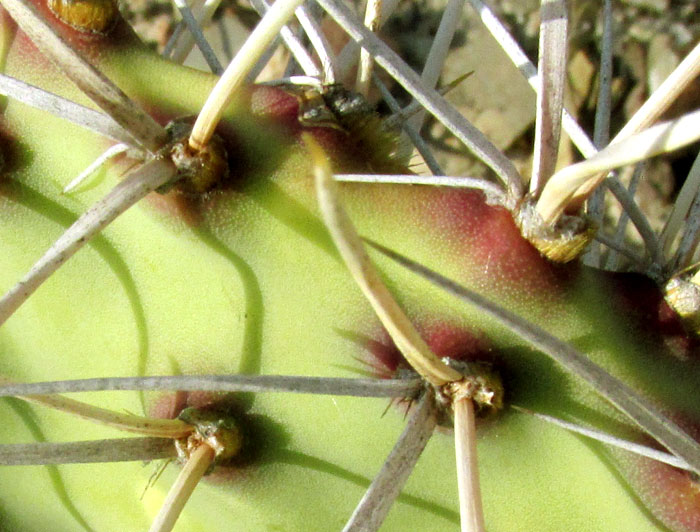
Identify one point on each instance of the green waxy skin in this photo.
(246, 280)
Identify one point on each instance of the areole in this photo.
(88, 16)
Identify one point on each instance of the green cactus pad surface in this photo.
(245, 279)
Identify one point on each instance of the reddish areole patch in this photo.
(443, 339)
(672, 495)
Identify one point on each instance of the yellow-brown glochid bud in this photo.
(87, 16)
